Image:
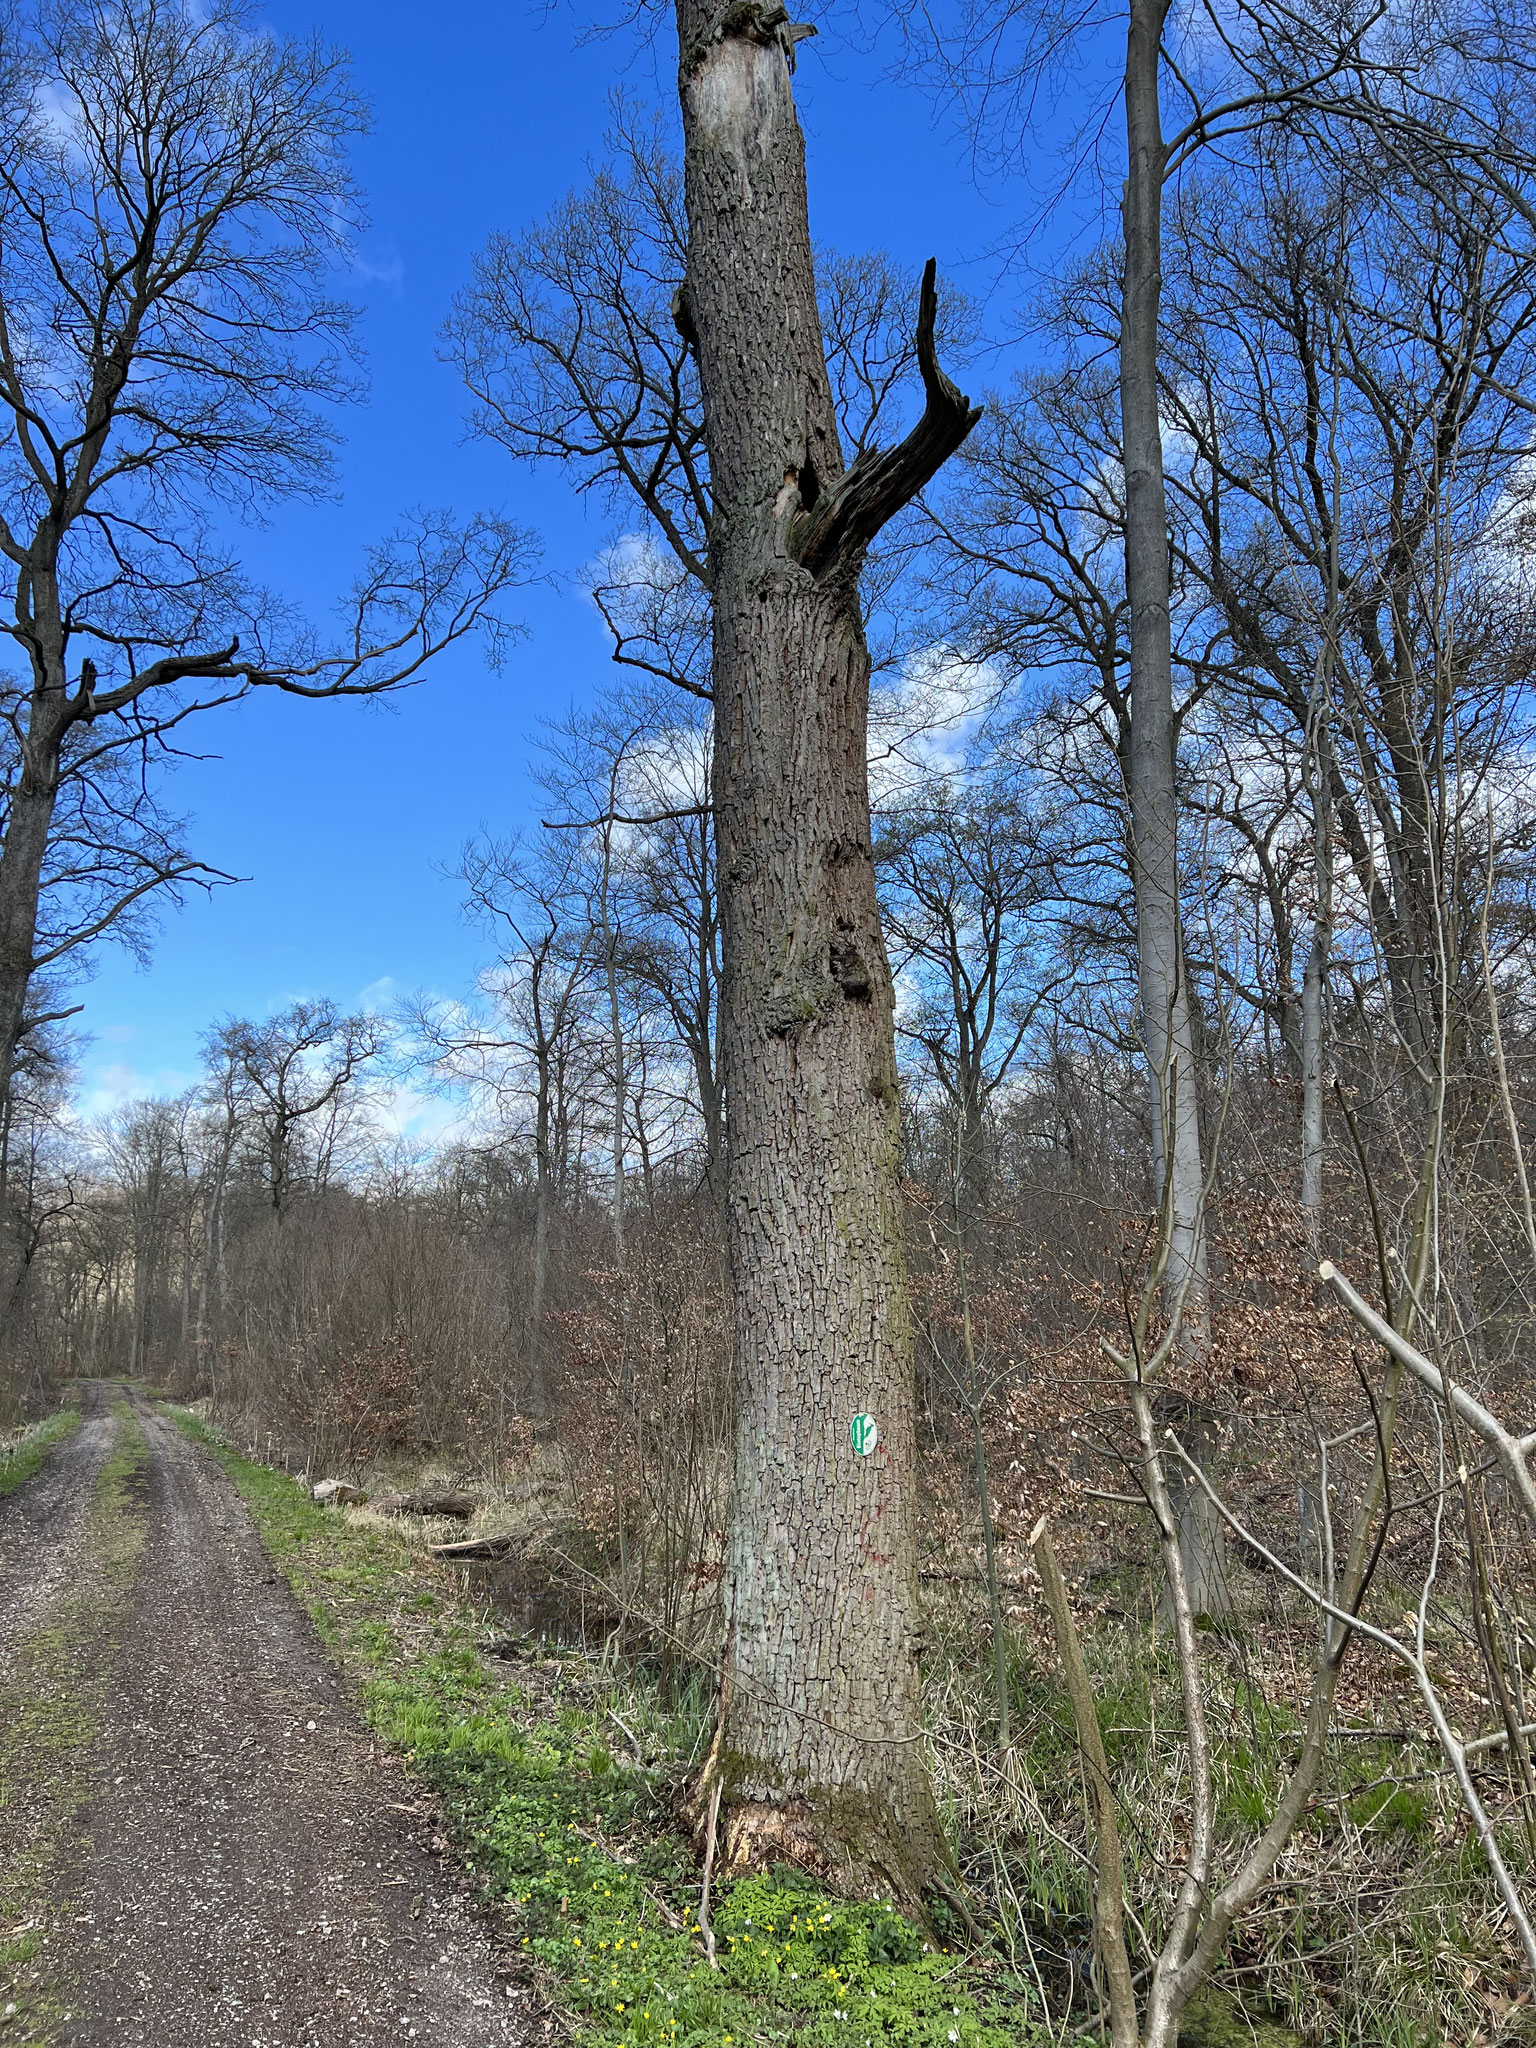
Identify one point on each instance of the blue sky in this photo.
(342, 817)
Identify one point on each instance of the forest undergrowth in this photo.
(556, 1771)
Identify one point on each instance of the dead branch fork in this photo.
(1511, 1451)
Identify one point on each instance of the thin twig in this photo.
(1509, 1449)
(709, 1864)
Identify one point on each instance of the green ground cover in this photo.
(555, 1779)
(574, 1842)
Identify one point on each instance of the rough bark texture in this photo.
(818, 1754)
(22, 858)
(1167, 1020)
(1201, 1531)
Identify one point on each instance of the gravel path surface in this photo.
(253, 1872)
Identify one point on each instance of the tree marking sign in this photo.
(863, 1434)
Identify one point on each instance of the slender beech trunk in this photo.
(537, 1375)
(712, 1116)
(213, 1243)
(1313, 1063)
(818, 1757)
(1167, 1020)
(186, 1284)
(1321, 773)
(973, 1178)
(203, 1278)
(142, 1280)
(620, 1092)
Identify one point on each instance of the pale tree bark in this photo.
(223, 1138)
(1167, 1018)
(818, 1758)
(1314, 1058)
(1321, 775)
(1163, 982)
(536, 1368)
(619, 1055)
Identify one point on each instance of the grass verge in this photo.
(25, 1456)
(554, 1790)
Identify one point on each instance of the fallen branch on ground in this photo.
(477, 1550)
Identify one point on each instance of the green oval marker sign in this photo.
(863, 1434)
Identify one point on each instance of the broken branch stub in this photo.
(1109, 1888)
(871, 493)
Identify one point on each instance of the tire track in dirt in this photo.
(253, 1875)
(78, 1531)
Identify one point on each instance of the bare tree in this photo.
(1438, 92)
(172, 193)
(529, 1045)
(629, 786)
(296, 1074)
(961, 872)
(141, 1142)
(224, 1104)
(1347, 368)
(575, 341)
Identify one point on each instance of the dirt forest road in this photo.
(200, 1844)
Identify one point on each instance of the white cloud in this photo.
(379, 996)
(402, 1111)
(387, 269)
(927, 724)
(106, 1088)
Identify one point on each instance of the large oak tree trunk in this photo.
(22, 860)
(819, 1755)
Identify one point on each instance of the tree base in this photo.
(843, 1840)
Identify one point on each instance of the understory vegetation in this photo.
(554, 1785)
(557, 1770)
